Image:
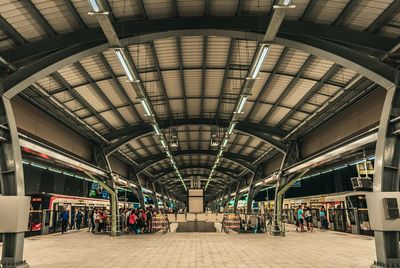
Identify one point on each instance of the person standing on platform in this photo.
(132, 222)
(91, 220)
(323, 219)
(79, 217)
(309, 220)
(300, 218)
(149, 219)
(97, 220)
(64, 217)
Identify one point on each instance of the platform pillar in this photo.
(387, 180)
(284, 182)
(12, 182)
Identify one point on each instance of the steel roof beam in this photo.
(230, 157)
(226, 171)
(37, 16)
(59, 79)
(384, 17)
(288, 89)
(11, 32)
(182, 74)
(377, 43)
(329, 74)
(120, 137)
(75, 14)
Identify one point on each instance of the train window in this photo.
(356, 201)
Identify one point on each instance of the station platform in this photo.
(311, 249)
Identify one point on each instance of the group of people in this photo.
(64, 217)
(137, 221)
(97, 221)
(304, 217)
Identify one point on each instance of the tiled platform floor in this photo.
(317, 249)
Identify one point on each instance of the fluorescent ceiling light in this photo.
(146, 107)
(124, 64)
(225, 142)
(94, 5)
(169, 154)
(163, 144)
(287, 2)
(156, 129)
(259, 62)
(241, 104)
(231, 127)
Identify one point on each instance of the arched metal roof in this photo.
(192, 58)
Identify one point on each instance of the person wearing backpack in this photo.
(64, 217)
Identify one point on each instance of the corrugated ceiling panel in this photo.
(259, 112)
(189, 8)
(49, 84)
(113, 62)
(193, 80)
(343, 76)
(57, 14)
(167, 53)
(223, 7)
(217, 51)
(127, 114)
(193, 107)
(88, 93)
(308, 107)
(128, 89)
(19, 17)
(255, 7)
(112, 119)
(246, 109)
(158, 8)
(300, 116)
(392, 27)
(82, 113)
(172, 83)
(317, 68)
(329, 90)
(142, 56)
(326, 11)
(123, 9)
(94, 122)
(365, 13)
(74, 105)
(276, 116)
(293, 61)
(298, 91)
(63, 96)
(213, 82)
(94, 67)
(5, 43)
(177, 106)
(296, 13)
(387, 30)
(113, 94)
(278, 84)
(72, 75)
(258, 85)
(243, 52)
(83, 8)
(211, 105)
(274, 53)
(192, 51)
(318, 99)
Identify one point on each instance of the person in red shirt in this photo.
(132, 222)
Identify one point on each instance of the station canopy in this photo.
(192, 57)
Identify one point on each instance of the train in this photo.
(346, 211)
(46, 208)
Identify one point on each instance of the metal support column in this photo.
(387, 179)
(12, 182)
(101, 159)
(283, 183)
(236, 201)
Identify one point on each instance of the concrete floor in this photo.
(317, 249)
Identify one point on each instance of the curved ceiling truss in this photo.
(356, 50)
